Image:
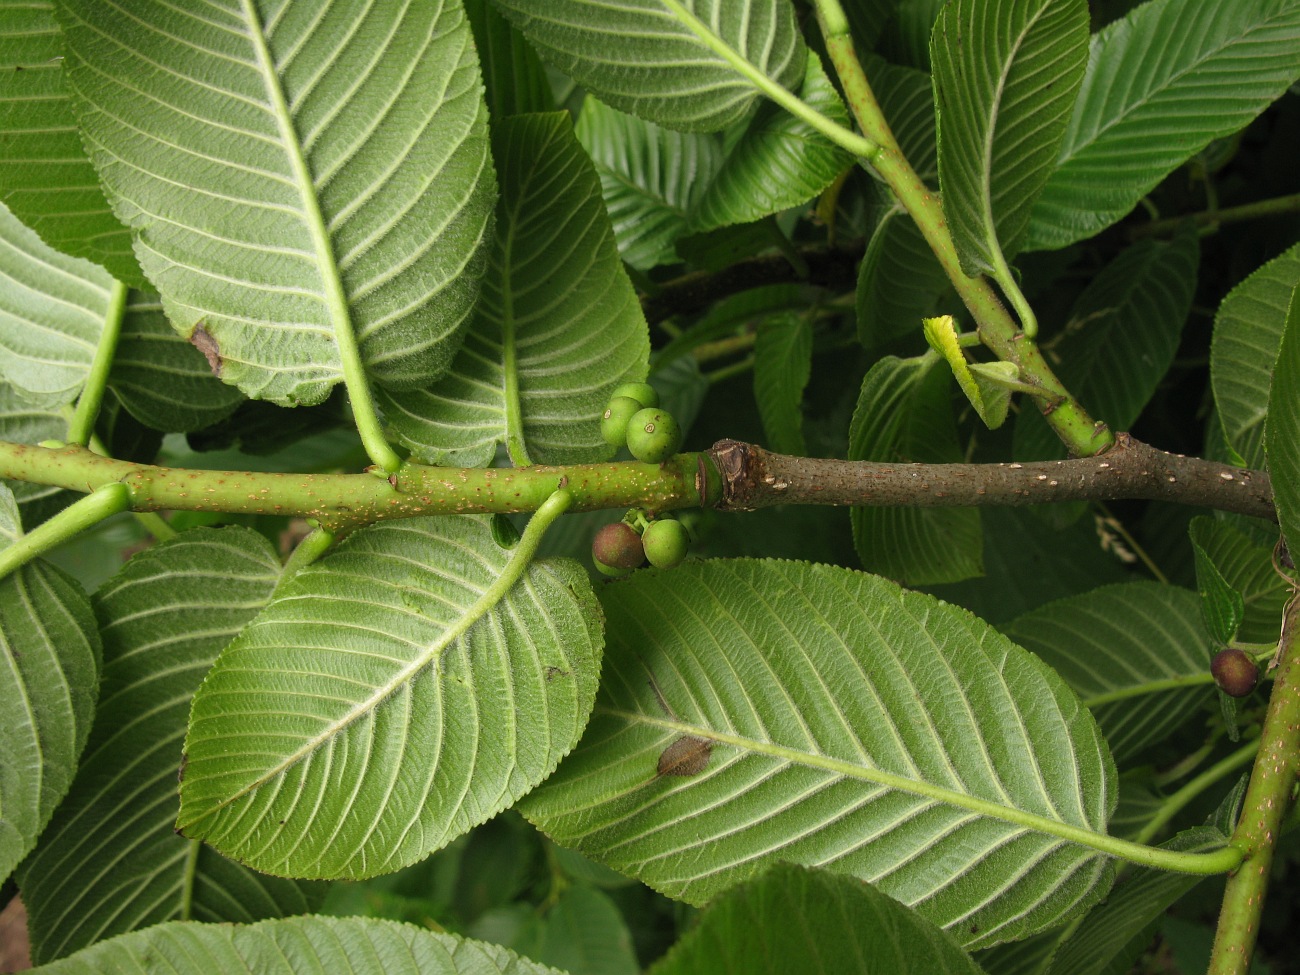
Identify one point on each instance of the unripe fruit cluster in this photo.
(628, 544)
(633, 417)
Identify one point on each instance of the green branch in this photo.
(1211, 220)
(82, 425)
(1008, 341)
(1268, 798)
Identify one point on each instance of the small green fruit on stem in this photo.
(653, 436)
(643, 393)
(614, 421)
(665, 543)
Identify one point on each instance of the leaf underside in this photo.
(835, 703)
(110, 862)
(383, 704)
(558, 325)
(641, 57)
(275, 200)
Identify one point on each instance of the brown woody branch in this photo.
(756, 478)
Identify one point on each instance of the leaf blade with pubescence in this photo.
(387, 700)
(1282, 433)
(110, 862)
(49, 676)
(842, 710)
(782, 365)
(556, 329)
(270, 203)
(1137, 647)
(644, 58)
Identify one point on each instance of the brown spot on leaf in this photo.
(686, 756)
(202, 340)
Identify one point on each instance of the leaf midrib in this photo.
(984, 807)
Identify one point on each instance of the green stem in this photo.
(1268, 798)
(313, 545)
(1011, 288)
(1213, 219)
(155, 525)
(364, 413)
(800, 109)
(188, 879)
(1080, 433)
(104, 501)
(1175, 803)
(726, 372)
(82, 425)
(1213, 862)
(340, 501)
(1149, 687)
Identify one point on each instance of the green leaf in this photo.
(1136, 654)
(1108, 932)
(297, 946)
(1222, 606)
(780, 162)
(1247, 335)
(1282, 437)
(900, 282)
(49, 676)
(906, 38)
(834, 710)
(52, 310)
(906, 98)
(904, 415)
(1161, 83)
(1123, 332)
(986, 385)
(20, 422)
(651, 178)
(1247, 568)
(791, 919)
(162, 380)
(109, 862)
(45, 175)
(645, 57)
(389, 698)
(558, 325)
(782, 366)
(1005, 78)
(11, 524)
(514, 79)
(584, 934)
(271, 205)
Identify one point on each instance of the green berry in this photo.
(643, 393)
(653, 436)
(613, 424)
(665, 543)
(1234, 672)
(617, 546)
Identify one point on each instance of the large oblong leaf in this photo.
(1247, 334)
(1138, 648)
(110, 862)
(1005, 78)
(756, 711)
(45, 176)
(49, 675)
(782, 364)
(1161, 83)
(558, 325)
(297, 946)
(298, 177)
(388, 700)
(642, 57)
(814, 923)
(20, 422)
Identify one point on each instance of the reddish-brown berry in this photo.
(1234, 672)
(618, 546)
